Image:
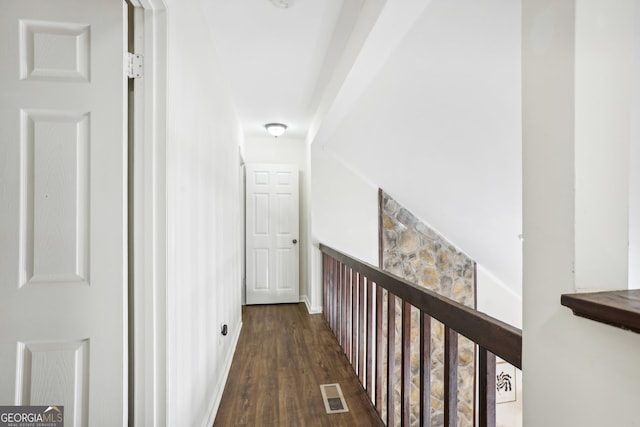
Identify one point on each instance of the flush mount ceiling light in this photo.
(275, 129)
(282, 4)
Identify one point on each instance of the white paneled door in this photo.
(272, 234)
(63, 229)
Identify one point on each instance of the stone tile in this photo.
(415, 252)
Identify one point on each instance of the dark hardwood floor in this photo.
(283, 356)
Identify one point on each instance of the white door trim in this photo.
(149, 218)
(243, 232)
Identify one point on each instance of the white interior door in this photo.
(272, 234)
(63, 259)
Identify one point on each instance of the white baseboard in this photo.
(215, 402)
(310, 309)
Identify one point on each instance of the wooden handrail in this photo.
(616, 308)
(355, 295)
(498, 337)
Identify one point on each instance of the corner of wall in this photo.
(310, 309)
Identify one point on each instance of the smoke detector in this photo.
(282, 4)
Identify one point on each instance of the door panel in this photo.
(272, 234)
(55, 151)
(63, 259)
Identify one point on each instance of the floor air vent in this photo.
(333, 398)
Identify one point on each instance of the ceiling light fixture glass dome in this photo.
(275, 129)
(282, 4)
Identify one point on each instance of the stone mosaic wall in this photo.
(415, 252)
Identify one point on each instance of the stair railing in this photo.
(353, 298)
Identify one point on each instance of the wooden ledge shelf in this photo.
(616, 308)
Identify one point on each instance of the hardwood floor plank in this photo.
(283, 356)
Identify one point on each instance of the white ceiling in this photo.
(279, 61)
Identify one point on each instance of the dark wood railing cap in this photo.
(498, 337)
(616, 308)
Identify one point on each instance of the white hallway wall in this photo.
(344, 208)
(203, 220)
(345, 217)
(634, 166)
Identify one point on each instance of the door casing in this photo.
(148, 397)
